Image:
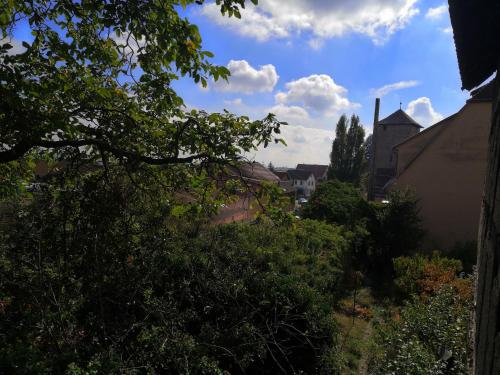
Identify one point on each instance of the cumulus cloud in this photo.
(437, 12)
(293, 115)
(317, 93)
(447, 30)
(421, 110)
(378, 19)
(304, 145)
(248, 80)
(386, 89)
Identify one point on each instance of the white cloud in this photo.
(437, 12)
(17, 46)
(248, 80)
(304, 145)
(293, 115)
(378, 19)
(447, 30)
(421, 110)
(236, 101)
(386, 89)
(317, 93)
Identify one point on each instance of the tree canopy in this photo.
(348, 150)
(96, 79)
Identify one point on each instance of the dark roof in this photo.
(299, 174)
(283, 175)
(476, 30)
(399, 117)
(254, 171)
(317, 169)
(483, 94)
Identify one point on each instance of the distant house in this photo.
(320, 171)
(445, 166)
(302, 181)
(246, 207)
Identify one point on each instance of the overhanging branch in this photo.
(20, 149)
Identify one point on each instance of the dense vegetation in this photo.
(98, 277)
(430, 334)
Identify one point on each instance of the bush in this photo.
(466, 252)
(99, 278)
(426, 275)
(395, 229)
(336, 203)
(429, 337)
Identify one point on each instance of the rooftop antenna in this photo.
(400, 105)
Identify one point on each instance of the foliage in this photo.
(95, 80)
(467, 253)
(336, 202)
(98, 277)
(429, 337)
(347, 158)
(426, 275)
(395, 229)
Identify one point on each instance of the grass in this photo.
(356, 330)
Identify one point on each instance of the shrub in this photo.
(99, 278)
(426, 275)
(395, 229)
(430, 337)
(336, 203)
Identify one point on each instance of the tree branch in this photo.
(22, 148)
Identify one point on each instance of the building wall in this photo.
(389, 136)
(487, 322)
(306, 186)
(448, 175)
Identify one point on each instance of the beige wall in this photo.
(387, 137)
(445, 166)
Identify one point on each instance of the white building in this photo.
(303, 182)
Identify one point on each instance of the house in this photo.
(387, 133)
(303, 182)
(320, 171)
(476, 31)
(246, 206)
(445, 166)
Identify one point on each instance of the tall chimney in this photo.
(371, 180)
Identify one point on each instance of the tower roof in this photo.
(399, 117)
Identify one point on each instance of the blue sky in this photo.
(311, 61)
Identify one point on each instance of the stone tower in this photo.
(387, 133)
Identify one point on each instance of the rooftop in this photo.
(317, 169)
(399, 117)
(299, 174)
(254, 171)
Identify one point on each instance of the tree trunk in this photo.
(487, 337)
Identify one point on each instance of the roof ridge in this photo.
(399, 117)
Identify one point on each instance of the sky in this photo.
(310, 61)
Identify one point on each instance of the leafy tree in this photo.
(95, 81)
(396, 230)
(98, 277)
(336, 203)
(348, 150)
